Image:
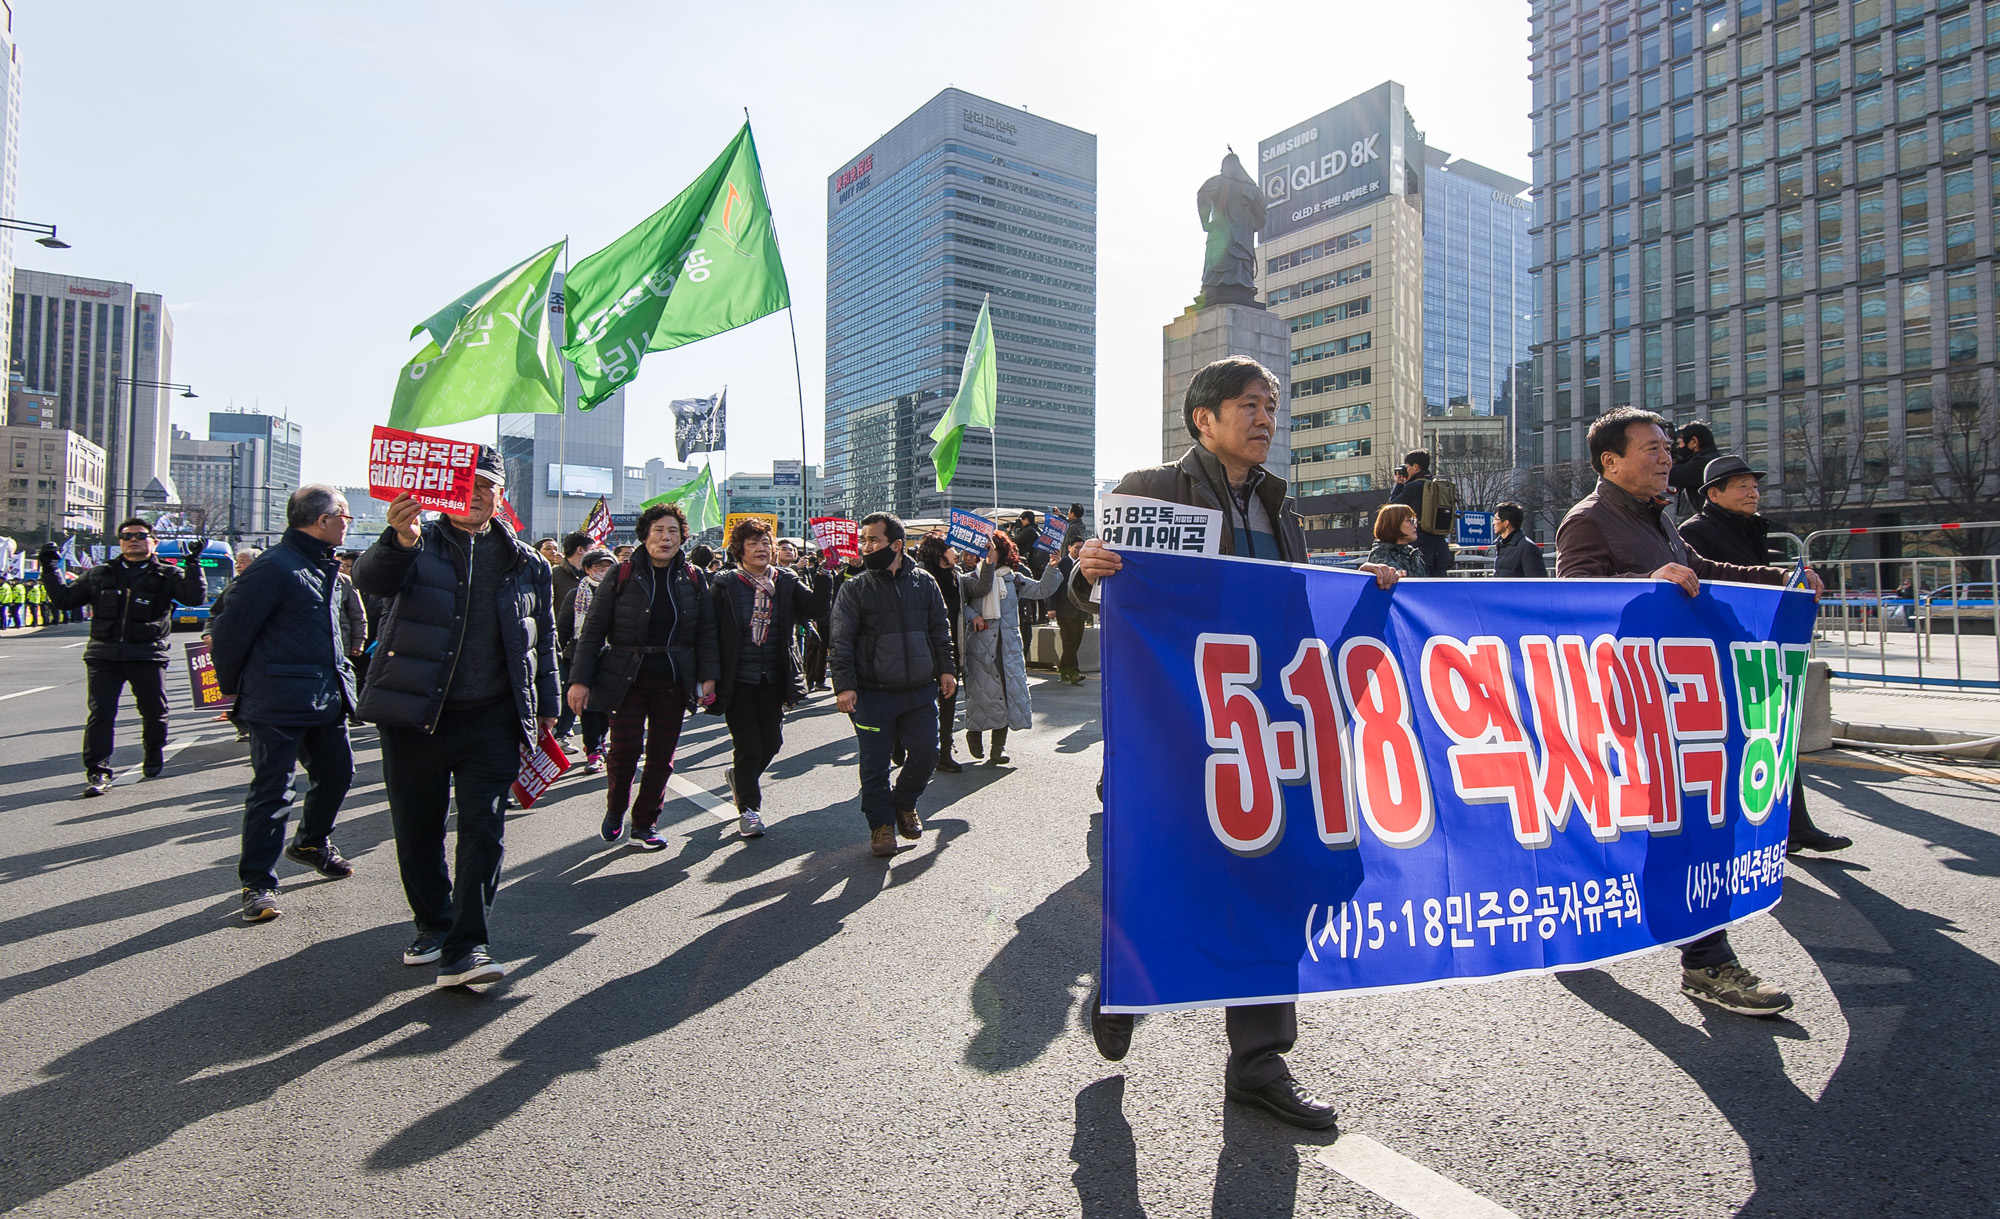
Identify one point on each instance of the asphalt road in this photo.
(790, 1026)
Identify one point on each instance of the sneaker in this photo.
(614, 825)
(100, 782)
(593, 763)
(949, 766)
(324, 859)
(882, 841)
(1734, 989)
(908, 824)
(427, 947)
(1817, 840)
(750, 823)
(260, 905)
(475, 968)
(568, 742)
(648, 840)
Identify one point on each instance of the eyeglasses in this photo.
(133, 537)
(342, 515)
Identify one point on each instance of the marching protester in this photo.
(1623, 529)
(757, 608)
(1515, 555)
(1231, 412)
(1070, 621)
(995, 657)
(565, 574)
(940, 562)
(645, 648)
(1025, 533)
(463, 677)
(1409, 489)
(1729, 530)
(1396, 541)
(281, 651)
(573, 612)
(244, 557)
(354, 624)
(889, 646)
(1694, 448)
(821, 577)
(131, 600)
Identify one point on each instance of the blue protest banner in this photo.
(1054, 526)
(969, 531)
(1316, 787)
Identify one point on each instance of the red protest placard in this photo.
(208, 695)
(834, 534)
(437, 472)
(540, 767)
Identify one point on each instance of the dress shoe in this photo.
(1815, 839)
(1285, 1100)
(1111, 1031)
(949, 765)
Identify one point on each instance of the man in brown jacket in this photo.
(1231, 411)
(1623, 529)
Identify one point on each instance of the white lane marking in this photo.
(19, 693)
(79, 643)
(132, 774)
(701, 796)
(1405, 1183)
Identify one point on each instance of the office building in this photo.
(271, 451)
(371, 516)
(558, 465)
(1776, 216)
(654, 478)
(55, 481)
(963, 200)
(1342, 260)
(10, 142)
(88, 342)
(1478, 295)
(791, 503)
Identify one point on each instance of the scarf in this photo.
(989, 605)
(760, 604)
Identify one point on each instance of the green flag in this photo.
(705, 263)
(696, 498)
(491, 352)
(977, 401)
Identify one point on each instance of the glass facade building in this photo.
(1478, 297)
(1778, 216)
(963, 200)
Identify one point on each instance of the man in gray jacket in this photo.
(891, 657)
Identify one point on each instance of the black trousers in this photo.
(1071, 628)
(565, 719)
(947, 713)
(1031, 613)
(883, 720)
(324, 751)
(104, 682)
(815, 657)
(756, 719)
(1260, 1035)
(477, 751)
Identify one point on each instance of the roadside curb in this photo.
(1909, 734)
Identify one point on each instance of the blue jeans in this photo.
(326, 755)
(884, 719)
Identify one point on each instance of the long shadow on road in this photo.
(1022, 998)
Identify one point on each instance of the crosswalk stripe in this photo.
(701, 797)
(19, 693)
(1405, 1183)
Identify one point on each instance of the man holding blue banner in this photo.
(1623, 529)
(1231, 412)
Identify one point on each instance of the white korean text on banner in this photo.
(436, 471)
(540, 767)
(834, 535)
(969, 531)
(1054, 526)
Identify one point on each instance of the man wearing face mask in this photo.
(464, 675)
(891, 655)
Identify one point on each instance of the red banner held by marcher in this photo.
(437, 472)
(834, 534)
(540, 767)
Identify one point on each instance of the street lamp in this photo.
(48, 232)
(136, 383)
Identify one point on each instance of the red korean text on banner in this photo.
(834, 534)
(208, 695)
(540, 767)
(437, 472)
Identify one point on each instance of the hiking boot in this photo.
(99, 782)
(1735, 989)
(473, 969)
(908, 824)
(260, 905)
(882, 841)
(949, 765)
(750, 823)
(324, 859)
(1285, 1100)
(1815, 839)
(427, 947)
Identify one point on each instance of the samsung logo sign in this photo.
(1281, 148)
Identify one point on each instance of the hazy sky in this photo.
(304, 181)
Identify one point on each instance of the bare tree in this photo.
(1832, 480)
(1963, 481)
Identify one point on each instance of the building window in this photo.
(1961, 293)
(1916, 324)
(1958, 222)
(1916, 221)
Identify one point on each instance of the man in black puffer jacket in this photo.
(463, 676)
(279, 650)
(891, 657)
(132, 598)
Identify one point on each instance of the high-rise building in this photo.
(558, 465)
(1478, 296)
(791, 503)
(963, 200)
(1342, 260)
(10, 141)
(1776, 216)
(271, 453)
(654, 478)
(88, 341)
(55, 481)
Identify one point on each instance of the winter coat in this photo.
(564, 581)
(996, 671)
(422, 627)
(1689, 472)
(611, 644)
(1728, 537)
(1516, 556)
(1402, 556)
(278, 643)
(132, 605)
(1435, 547)
(889, 631)
(792, 601)
(947, 582)
(1612, 532)
(353, 616)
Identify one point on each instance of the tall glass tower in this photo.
(963, 200)
(1478, 298)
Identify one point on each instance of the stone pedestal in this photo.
(1201, 336)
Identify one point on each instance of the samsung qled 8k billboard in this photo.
(1349, 156)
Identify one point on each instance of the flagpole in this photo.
(791, 319)
(562, 415)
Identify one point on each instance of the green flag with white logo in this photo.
(491, 351)
(977, 402)
(696, 498)
(705, 263)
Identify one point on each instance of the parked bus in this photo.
(218, 567)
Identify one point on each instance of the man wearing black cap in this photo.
(1728, 530)
(463, 676)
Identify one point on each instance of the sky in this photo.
(304, 182)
